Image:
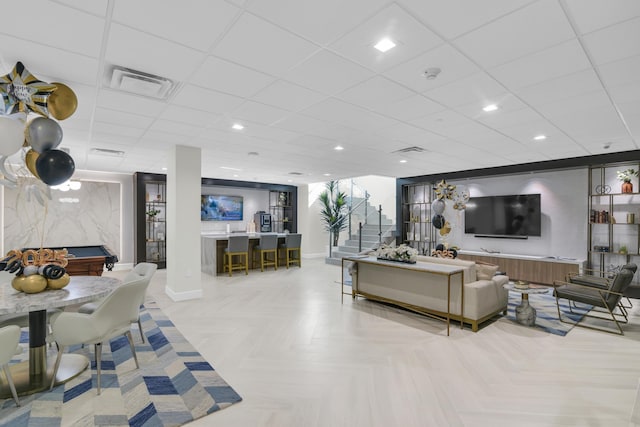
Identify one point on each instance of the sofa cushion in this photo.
(469, 266)
(485, 271)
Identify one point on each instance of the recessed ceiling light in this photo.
(338, 147)
(326, 174)
(229, 168)
(289, 180)
(164, 169)
(490, 107)
(235, 175)
(540, 137)
(237, 126)
(403, 161)
(384, 45)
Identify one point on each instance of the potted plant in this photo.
(151, 214)
(625, 176)
(334, 210)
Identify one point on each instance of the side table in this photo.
(525, 313)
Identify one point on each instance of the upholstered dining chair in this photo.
(606, 298)
(9, 339)
(238, 247)
(292, 249)
(113, 317)
(143, 270)
(268, 245)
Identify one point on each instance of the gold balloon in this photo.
(34, 284)
(59, 283)
(30, 160)
(17, 283)
(62, 103)
(445, 229)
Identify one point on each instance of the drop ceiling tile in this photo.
(453, 66)
(188, 115)
(555, 90)
(114, 100)
(625, 94)
(375, 93)
(181, 22)
(163, 139)
(288, 96)
(259, 113)
(525, 132)
(273, 50)
(62, 33)
(299, 123)
(615, 42)
(118, 130)
(579, 103)
(410, 108)
(455, 17)
(621, 72)
(175, 128)
(96, 7)
(140, 51)
(507, 104)
(227, 77)
(336, 111)
(316, 21)
(328, 73)
(591, 15)
(557, 61)
(440, 121)
(479, 88)
(517, 34)
(42, 60)
(405, 135)
(206, 100)
(511, 118)
(595, 124)
(116, 117)
(410, 36)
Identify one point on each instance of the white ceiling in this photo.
(302, 76)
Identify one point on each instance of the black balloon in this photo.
(54, 167)
(438, 221)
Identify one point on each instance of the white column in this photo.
(183, 224)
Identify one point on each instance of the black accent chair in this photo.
(607, 298)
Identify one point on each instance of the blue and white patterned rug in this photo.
(173, 386)
(547, 312)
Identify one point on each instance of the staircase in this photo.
(370, 238)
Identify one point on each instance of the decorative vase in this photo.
(627, 187)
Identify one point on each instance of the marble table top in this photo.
(79, 290)
(532, 289)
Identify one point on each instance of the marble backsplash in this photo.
(88, 216)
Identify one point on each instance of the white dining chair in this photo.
(143, 270)
(111, 318)
(9, 340)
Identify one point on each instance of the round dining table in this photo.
(34, 374)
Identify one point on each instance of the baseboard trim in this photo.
(182, 296)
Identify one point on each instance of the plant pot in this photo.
(627, 187)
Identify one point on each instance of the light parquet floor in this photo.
(299, 357)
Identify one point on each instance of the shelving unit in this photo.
(282, 212)
(614, 223)
(151, 209)
(417, 230)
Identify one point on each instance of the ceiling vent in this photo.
(107, 152)
(413, 149)
(296, 173)
(139, 83)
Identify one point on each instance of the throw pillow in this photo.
(485, 271)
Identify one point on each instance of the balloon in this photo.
(33, 284)
(446, 228)
(11, 133)
(55, 167)
(438, 221)
(30, 160)
(438, 206)
(59, 283)
(43, 134)
(63, 102)
(460, 197)
(444, 190)
(22, 91)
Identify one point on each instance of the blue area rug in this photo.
(547, 312)
(173, 386)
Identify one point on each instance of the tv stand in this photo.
(534, 269)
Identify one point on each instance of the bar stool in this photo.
(291, 248)
(238, 246)
(268, 244)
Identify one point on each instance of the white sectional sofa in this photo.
(427, 293)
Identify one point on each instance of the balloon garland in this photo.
(459, 195)
(22, 93)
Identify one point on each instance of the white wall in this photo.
(564, 213)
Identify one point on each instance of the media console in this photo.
(535, 269)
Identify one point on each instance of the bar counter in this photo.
(213, 245)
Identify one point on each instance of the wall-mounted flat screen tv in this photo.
(220, 208)
(515, 216)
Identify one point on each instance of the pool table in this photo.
(88, 260)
